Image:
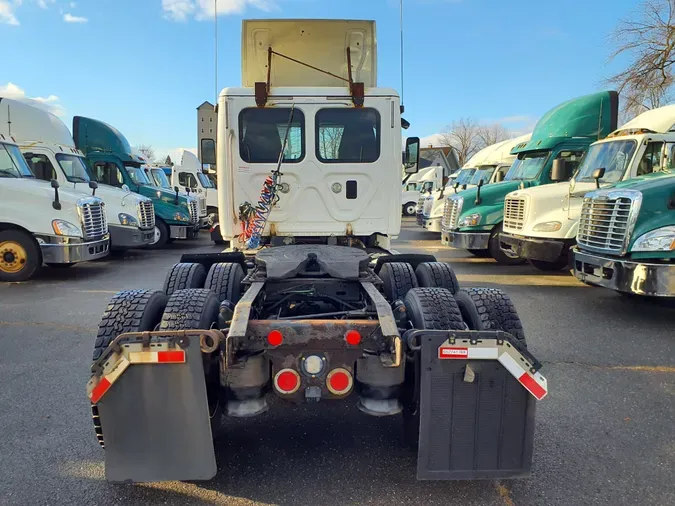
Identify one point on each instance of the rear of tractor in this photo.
(310, 323)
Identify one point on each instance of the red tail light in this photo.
(287, 381)
(275, 338)
(339, 381)
(353, 337)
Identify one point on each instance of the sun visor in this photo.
(319, 43)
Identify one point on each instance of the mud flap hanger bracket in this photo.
(486, 345)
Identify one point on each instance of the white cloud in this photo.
(435, 140)
(73, 5)
(69, 18)
(7, 16)
(181, 10)
(44, 3)
(50, 103)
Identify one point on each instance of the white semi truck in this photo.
(489, 165)
(42, 223)
(189, 174)
(541, 223)
(48, 147)
(310, 305)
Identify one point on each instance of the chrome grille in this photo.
(94, 220)
(607, 220)
(202, 206)
(428, 206)
(146, 214)
(419, 208)
(194, 211)
(514, 213)
(451, 212)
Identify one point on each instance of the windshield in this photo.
(527, 166)
(204, 180)
(464, 176)
(213, 179)
(74, 168)
(483, 174)
(12, 162)
(137, 175)
(612, 156)
(160, 179)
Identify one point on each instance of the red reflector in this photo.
(287, 381)
(100, 389)
(353, 337)
(275, 338)
(339, 381)
(168, 357)
(532, 386)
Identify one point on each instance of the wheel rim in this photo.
(13, 257)
(157, 236)
(410, 209)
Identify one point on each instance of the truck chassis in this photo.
(312, 323)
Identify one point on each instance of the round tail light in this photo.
(275, 338)
(287, 381)
(339, 381)
(353, 337)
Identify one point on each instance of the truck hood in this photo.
(43, 189)
(115, 198)
(166, 196)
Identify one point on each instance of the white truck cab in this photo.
(42, 223)
(189, 174)
(541, 223)
(487, 166)
(48, 147)
(339, 178)
(429, 179)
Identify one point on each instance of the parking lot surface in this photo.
(604, 434)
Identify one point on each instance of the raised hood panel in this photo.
(321, 43)
(593, 116)
(91, 135)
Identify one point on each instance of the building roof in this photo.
(207, 103)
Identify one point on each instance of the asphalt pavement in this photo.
(604, 435)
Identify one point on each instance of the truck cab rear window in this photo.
(262, 132)
(347, 135)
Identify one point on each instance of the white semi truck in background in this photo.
(489, 165)
(424, 181)
(189, 174)
(310, 304)
(50, 151)
(542, 222)
(42, 223)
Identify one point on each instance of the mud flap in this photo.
(156, 425)
(476, 418)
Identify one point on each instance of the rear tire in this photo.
(398, 279)
(225, 280)
(497, 311)
(20, 255)
(128, 311)
(438, 274)
(498, 253)
(161, 237)
(183, 276)
(430, 308)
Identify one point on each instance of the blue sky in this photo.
(145, 65)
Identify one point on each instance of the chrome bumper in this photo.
(58, 251)
(465, 240)
(129, 237)
(533, 248)
(184, 231)
(657, 280)
(432, 224)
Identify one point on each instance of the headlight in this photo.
(128, 220)
(661, 239)
(470, 220)
(181, 217)
(62, 227)
(547, 226)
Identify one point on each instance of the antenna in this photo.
(401, 23)
(215, 20)
(9, 122)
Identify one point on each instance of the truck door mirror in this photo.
(93, 185)
(54, 183)
(56, 204)
(559, 171)
(412, 155)
(597, 175)
(208, 152)
(175, 188)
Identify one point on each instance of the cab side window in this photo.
(670, 162)
(41, 166)
(108, 173)
(651, 159)
(572, 160)
(187, 179)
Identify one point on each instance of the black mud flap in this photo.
(156, 425)
(476, 419)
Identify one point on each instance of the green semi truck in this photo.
(111, 159)
(626, 238)
(473, 219)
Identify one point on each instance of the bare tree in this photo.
(648, 40)
(147, 151)
(492, 134)
(463, 136)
